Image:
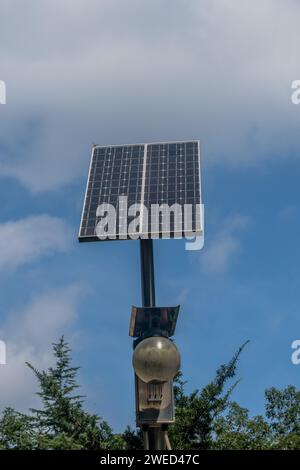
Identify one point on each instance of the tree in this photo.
(132, 440)
(279, 429)
(16, 430)
(197, 412)
(237, 431)
(63, 423)
(283, 413)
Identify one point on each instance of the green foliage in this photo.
(283, 410)
(132, 439)
(283, 413)
(62, 423)
(207, 419)
(197, 412)
(237, 431)
(279, 429)
(16, 430)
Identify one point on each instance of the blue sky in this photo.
(121, 72)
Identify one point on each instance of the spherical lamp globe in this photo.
(156, 359)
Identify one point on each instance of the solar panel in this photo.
(142, 190)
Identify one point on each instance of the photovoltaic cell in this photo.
(151, 174)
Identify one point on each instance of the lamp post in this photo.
(156, 359)
(143, 168)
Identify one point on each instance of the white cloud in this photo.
(220, 251)
(28, 335)
(84, 70)
(26, 240)
(45, 315)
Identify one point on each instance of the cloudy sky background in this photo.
(81, 72)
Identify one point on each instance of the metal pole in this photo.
(145, 439)
(167, 441)
(147, 273)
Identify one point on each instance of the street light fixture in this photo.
(161, 175)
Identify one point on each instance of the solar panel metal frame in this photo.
(149, 234)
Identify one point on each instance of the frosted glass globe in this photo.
(156, 359)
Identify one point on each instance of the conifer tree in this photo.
(63, 422)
